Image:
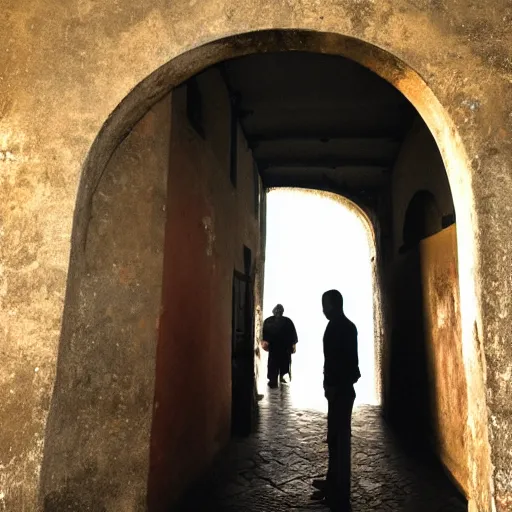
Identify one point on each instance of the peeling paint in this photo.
(209, 228)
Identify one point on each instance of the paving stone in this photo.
(271, 471)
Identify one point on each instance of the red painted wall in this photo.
(208, 222)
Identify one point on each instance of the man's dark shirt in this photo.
(341, 367)
(280, 333)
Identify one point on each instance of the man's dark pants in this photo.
(339, 417)
(278, 365)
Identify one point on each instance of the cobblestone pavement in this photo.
(272, 469)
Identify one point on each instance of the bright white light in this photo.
(314, 244)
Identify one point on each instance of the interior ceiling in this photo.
(318, 121)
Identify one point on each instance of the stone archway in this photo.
(136, 105)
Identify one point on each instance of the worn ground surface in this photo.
(272, 469)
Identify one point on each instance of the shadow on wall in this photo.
(413, 401)
(412, 398)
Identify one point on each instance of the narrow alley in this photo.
(272, 469)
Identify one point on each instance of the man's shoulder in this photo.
(332, 327)
(343, 324)
(351, 328)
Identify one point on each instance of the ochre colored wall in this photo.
(208, 222)
(441, 302)
(419, 166)
(424, 375)
(427, 388)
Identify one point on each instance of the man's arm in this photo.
(265, 330)
(353, 356)
(292, 336)
(330, 363)
(293, 333)
(265, 336)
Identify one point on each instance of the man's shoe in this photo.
(272, 384)
(337, 505)
(283, 380)
(318, 496)
(319, 484)
(342, 508)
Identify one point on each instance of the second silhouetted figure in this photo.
(280, 338)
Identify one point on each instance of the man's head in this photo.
(332, 303)
(278, 310)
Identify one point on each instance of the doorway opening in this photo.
(314, 243)
(242, 355)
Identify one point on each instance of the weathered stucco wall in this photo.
(97, 437)
(68, 66)
(443, 334)
(209, 222)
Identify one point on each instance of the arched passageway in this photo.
(200, 159)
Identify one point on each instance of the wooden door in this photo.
(242, 358)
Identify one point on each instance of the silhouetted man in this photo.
(279, 338)
(341, 371)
